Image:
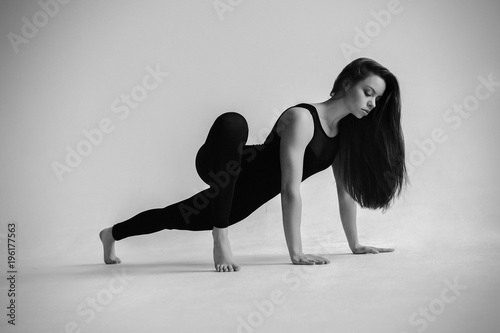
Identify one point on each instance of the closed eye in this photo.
(368, 94)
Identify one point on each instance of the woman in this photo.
(357, 132)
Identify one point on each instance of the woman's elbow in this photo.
(345, 200)
(290, 193)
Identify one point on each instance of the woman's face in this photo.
(362, 98)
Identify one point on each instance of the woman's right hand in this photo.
(309, 259)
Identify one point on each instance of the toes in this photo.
(227, 268)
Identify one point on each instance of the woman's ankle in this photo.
(219, 233)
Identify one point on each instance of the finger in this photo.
(217, 268)
(320, 261)
(313, 258)
(236, 268)
(324, 261)
(382, 249)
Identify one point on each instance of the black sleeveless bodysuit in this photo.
(260, 178)
(258, 181)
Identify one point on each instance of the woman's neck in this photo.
(333, 110)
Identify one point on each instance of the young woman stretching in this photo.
(357, 132)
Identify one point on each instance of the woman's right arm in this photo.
(297, 129)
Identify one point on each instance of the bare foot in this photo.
(223, 256)
(108, 244)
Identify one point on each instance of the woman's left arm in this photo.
(347, 209)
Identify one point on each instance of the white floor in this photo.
(443, 277)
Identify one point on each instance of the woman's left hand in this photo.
(362, 249)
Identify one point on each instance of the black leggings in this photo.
(218, 163)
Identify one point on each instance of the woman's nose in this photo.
(371, 104)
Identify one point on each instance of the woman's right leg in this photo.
(154, 220)
(217, 163)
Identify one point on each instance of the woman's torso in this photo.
(260, 176)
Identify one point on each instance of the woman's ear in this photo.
(346, 84)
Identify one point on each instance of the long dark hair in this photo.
(372, 153)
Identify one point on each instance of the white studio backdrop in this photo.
(105, 103)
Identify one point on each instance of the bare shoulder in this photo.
(296, 118)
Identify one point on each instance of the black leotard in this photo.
(241, 177)
(260, 179)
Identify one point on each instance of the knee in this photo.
(233, 122)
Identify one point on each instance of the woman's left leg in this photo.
(218, 163)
